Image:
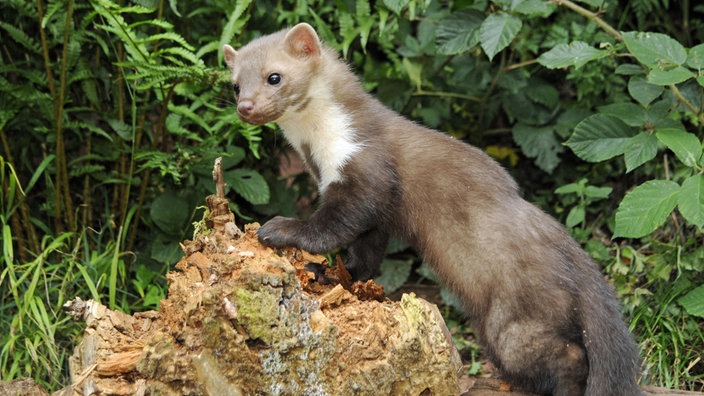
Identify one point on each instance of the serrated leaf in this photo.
(249, 184)
(576, 54)
(497, 31)
(700, 80)
(691, 200)
(655, 49)
(543, 93)
(642, 91)
(685, 145)
(695, 57)
(21, 37)
(539, 143)
(123, 130)
(640, 149)
(693, 302)
(599, 137)
(645, 208)
(458, 32)
(234, 24)
(676, 75)
(396, 5)
(630, 113)
(534, 7)
(394, 273)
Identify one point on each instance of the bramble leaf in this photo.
(641, 148)
(655, 49)
(497, 31)
(685, 145)
(249, 184)
(643, 91)
(576, 54)
(645, 208)
(599, 137)
(458, 32)
(691, 200)
(693, 302)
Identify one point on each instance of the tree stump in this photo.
(243, 319)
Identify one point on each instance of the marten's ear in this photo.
(230, 55)
(302, 41)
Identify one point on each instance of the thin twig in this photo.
(591, 16)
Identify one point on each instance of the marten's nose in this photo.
(245, 107)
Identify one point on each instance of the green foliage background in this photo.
(111, 113)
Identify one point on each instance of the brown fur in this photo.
(540, 306)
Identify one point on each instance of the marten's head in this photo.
(272, 74)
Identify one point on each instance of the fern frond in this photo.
(21, 38)
(182, 52)
(171, 36)
(190, 115)
(154, 22)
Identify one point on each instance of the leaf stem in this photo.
(422, 92)
(687, 103)
(591, 16)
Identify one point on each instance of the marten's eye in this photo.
(236, 88)
(274, 79)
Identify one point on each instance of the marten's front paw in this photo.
(279, 232)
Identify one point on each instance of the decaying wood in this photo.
(242, 318)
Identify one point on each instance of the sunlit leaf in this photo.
(497, 31)
(645, 208)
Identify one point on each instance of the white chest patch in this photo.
(327, 130)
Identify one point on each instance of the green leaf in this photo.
(630, 113)
(394, 273)
(123, 130)
(691, 200)
(695, 58)
(640, 149)
(596, 193)
(693, 302)
(249, 184)
(534, 8)
(575, 217)
(630, 69)
(599, 137)
(685, 145)
(497, 31)
(165, 250)
(576, 54)
(396, 5)
(677, 75)
(655, 49)
(457, 33)
(642, 91)
(170, 213)
(539, 143)
(414, 72)
(645, 208)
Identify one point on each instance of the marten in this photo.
(539, 305)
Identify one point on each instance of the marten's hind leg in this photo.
(543, 361)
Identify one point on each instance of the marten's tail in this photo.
(614, 363)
